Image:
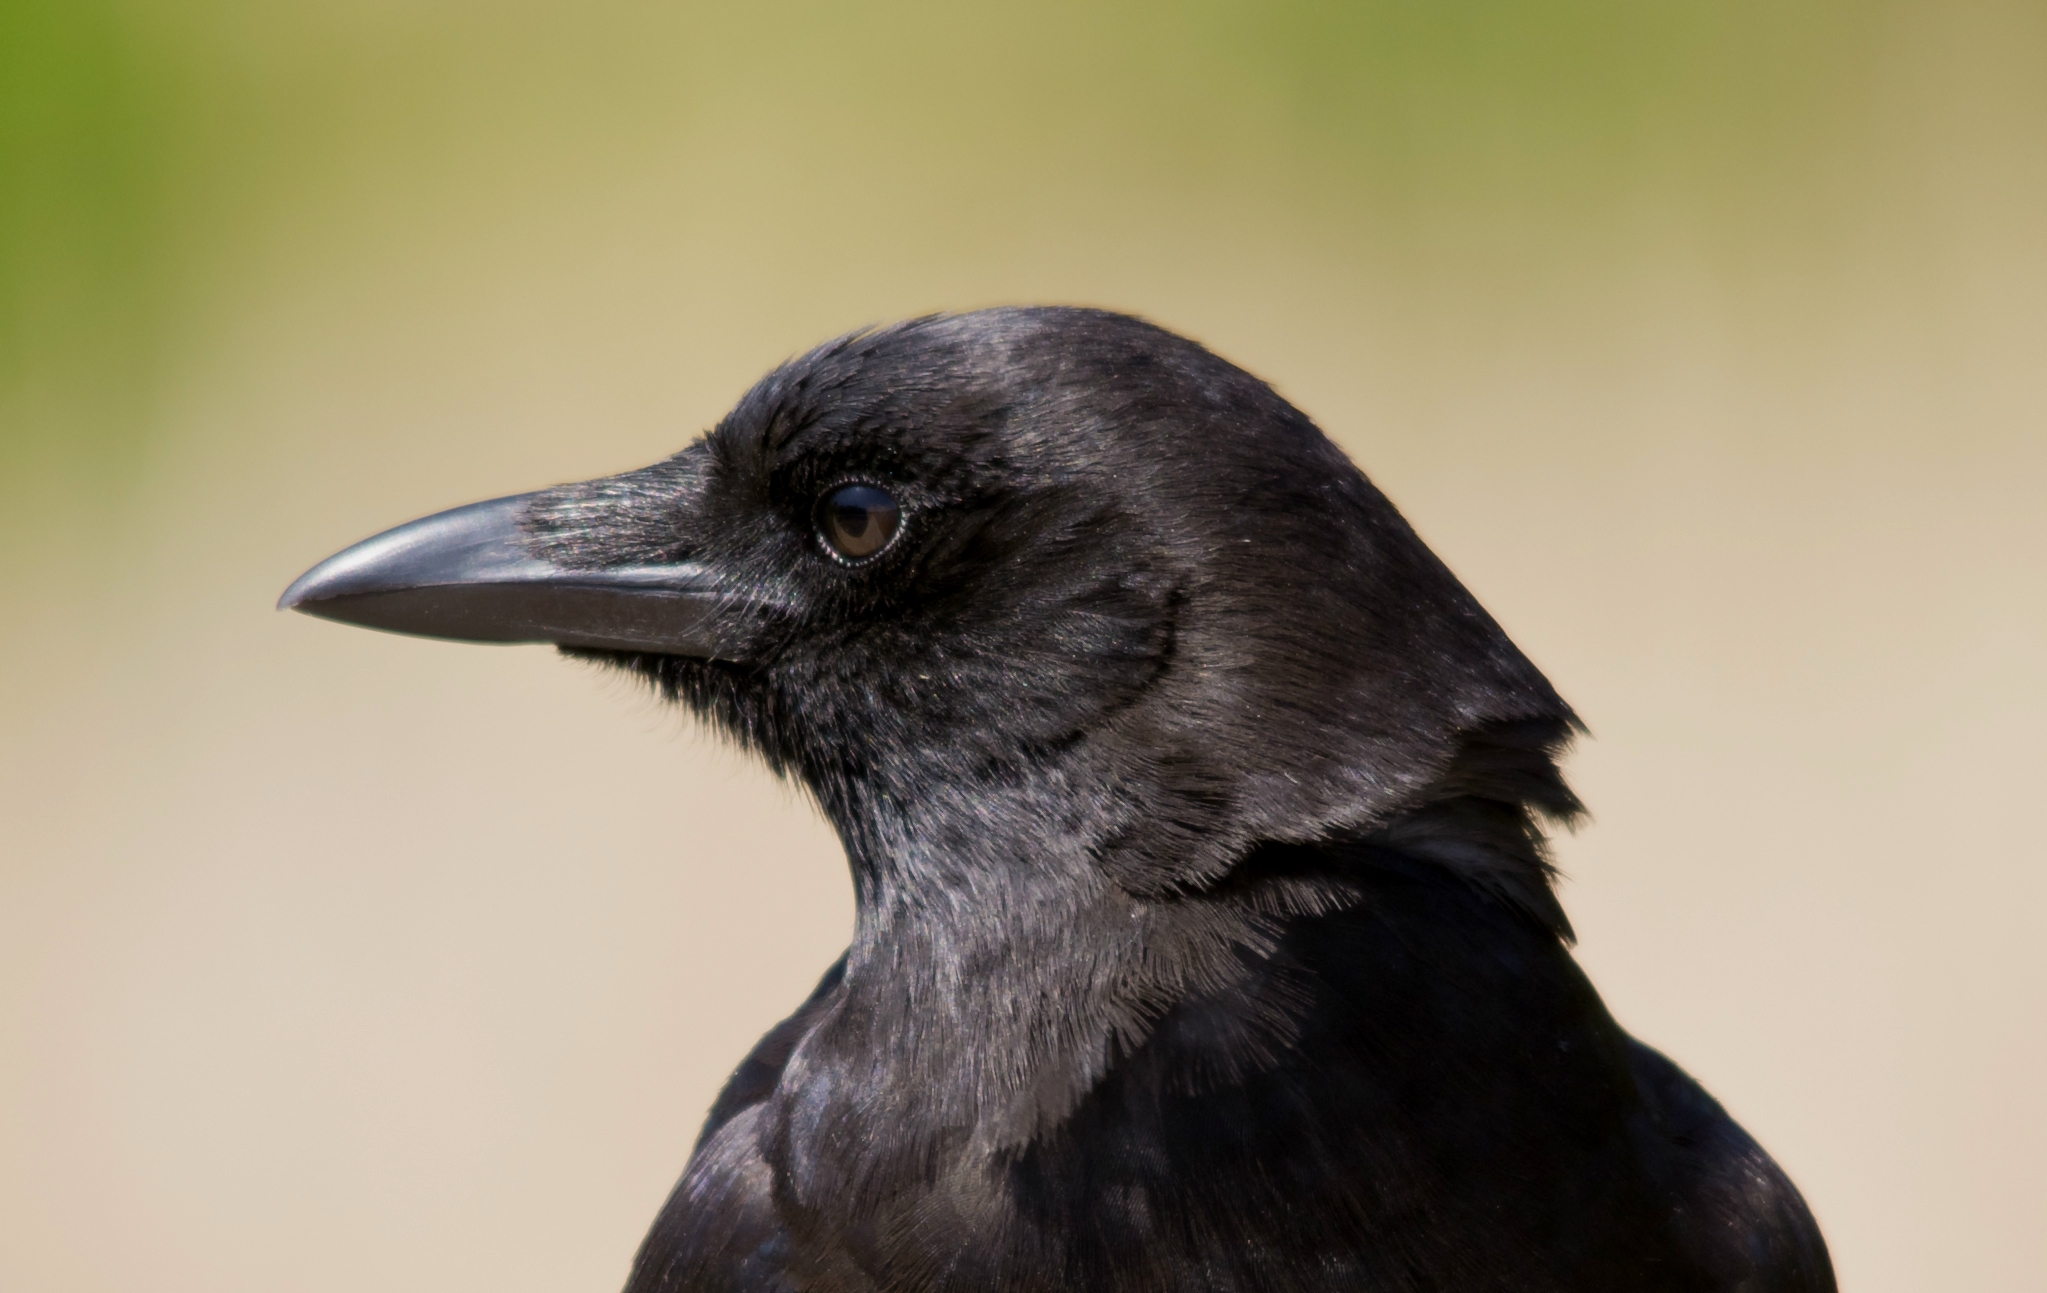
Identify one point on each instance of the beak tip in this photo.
(301, 591)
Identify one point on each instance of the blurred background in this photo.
(1707, 342)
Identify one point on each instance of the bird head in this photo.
(1022, 575)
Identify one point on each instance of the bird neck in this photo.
(1008, 973)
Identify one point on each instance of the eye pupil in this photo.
(858, 521)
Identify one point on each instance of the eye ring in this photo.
(856, 521)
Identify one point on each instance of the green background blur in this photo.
(1708, 342)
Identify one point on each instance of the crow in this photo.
(1206, 933)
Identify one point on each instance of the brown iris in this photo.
(858, 521)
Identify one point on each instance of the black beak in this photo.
(467, 574)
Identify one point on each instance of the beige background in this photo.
(1710, 349)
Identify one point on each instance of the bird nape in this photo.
(1206, 937)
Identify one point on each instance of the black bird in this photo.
(1206, 935)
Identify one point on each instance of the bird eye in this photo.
(857, 521)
